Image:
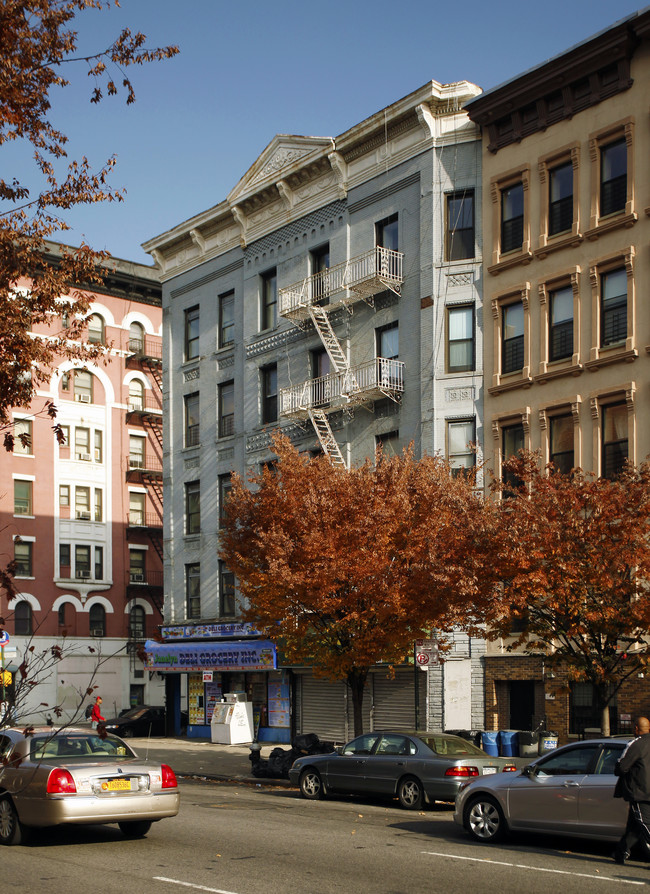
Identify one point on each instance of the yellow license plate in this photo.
(116, 785)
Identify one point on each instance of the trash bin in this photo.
(528, 743)
(490, 744)
(548, 742)
(508, 741)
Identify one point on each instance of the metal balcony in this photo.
(355, 280)
(359, 384)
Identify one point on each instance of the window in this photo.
(321, 386)
(269, 306)
(136, 395)
(136, 452)
(99, 563)
(388, 442)
(192, 508)
(64, 495)
(136, 338)
(99, 504)
(137, 623)
(82, 444)
(97, 620)
(226, 409)
(137, 572)
(99, 446)
(461, 435)
(512, 341)
(193, 590)
(613, 177)
(388, 341)
(23, 557)
(136, 509)
(225, 486)
(82, 503)
(613, 306)
(226, 592)
(192, 419)
(460, 339)
(65, 381)
(460, 226)
(512, 217)
(512, 441)
(83, 386)
(319, 263)
(65, 435)
(386, 233)
(23, 498)
(96, 329)
(226, 319)
(23, 443)
(615, 439)
(561, 324)
(269, 385)
(63, 614)
(561, 447)
(64, 559)
(191, 333)
(23, 618)
(560, 198)
(82, 561)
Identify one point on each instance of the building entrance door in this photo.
(522, 704)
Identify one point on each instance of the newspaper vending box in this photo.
(232, 720)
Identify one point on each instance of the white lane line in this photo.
(174, 881)
(600, 878)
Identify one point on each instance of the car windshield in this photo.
(134, 714)
(452, 746)
(78, 746)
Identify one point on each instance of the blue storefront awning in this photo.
(238, 655)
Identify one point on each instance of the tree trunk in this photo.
(357, 683)
(604, 720)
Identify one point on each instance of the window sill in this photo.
(22, 515)
(557, 369)
(567, 239)
(506, 261)
(521, 381)
(606, 356)
(614, 221)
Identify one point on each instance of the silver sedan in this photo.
(415, 767)
(76, 776)
(569, 791)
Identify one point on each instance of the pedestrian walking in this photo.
(633, 784)
(96, 713)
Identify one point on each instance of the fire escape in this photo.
(145, 468)
(347, 386)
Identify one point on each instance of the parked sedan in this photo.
(415, 767)
(75, 776)
(569, 791)
(141, 721)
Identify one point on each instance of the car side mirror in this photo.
(529, 771)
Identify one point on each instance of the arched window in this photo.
(23, 619)
(96, 329)
(66, 616)
(136, 395)
(137, 623)
(97, 620)
(136, 338)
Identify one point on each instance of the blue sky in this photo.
(247, 71)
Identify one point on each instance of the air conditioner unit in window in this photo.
(86, 457)
(22, 510)
(82, 398)
(83, 515)
(82, 574)
(96, 631)
(136, 578)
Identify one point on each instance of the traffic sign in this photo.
(426, 653)
(4, 638)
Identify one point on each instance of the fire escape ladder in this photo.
(154, 482)
(153, 367)
(156, 541)
(155, 427)
(326, 437)
(330, 341)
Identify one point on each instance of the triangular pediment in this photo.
(281, 157)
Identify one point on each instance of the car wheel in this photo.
(484, 819)
(311, 785)
(10, 828)
(135, 829)
(410, 793)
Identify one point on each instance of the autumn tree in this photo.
(38, 46)
(574, 556)
(348, 568)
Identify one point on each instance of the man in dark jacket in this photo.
(633, 771)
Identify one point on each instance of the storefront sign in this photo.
(243, 655)
(207, 631)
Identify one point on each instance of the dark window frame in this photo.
(460, 242)
(191, 333)
(226, 419)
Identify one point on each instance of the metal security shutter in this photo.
(394, 700)
(323, 709)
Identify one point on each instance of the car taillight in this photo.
(60, 782)
(509, 768)
(462, 771)
(168, 777)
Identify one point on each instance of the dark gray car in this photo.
(569, 791)
(415, 767)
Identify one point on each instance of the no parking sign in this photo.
(426, 653)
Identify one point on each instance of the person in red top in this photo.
(96, 713)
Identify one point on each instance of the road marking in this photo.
(174, 881)
(600, 878)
